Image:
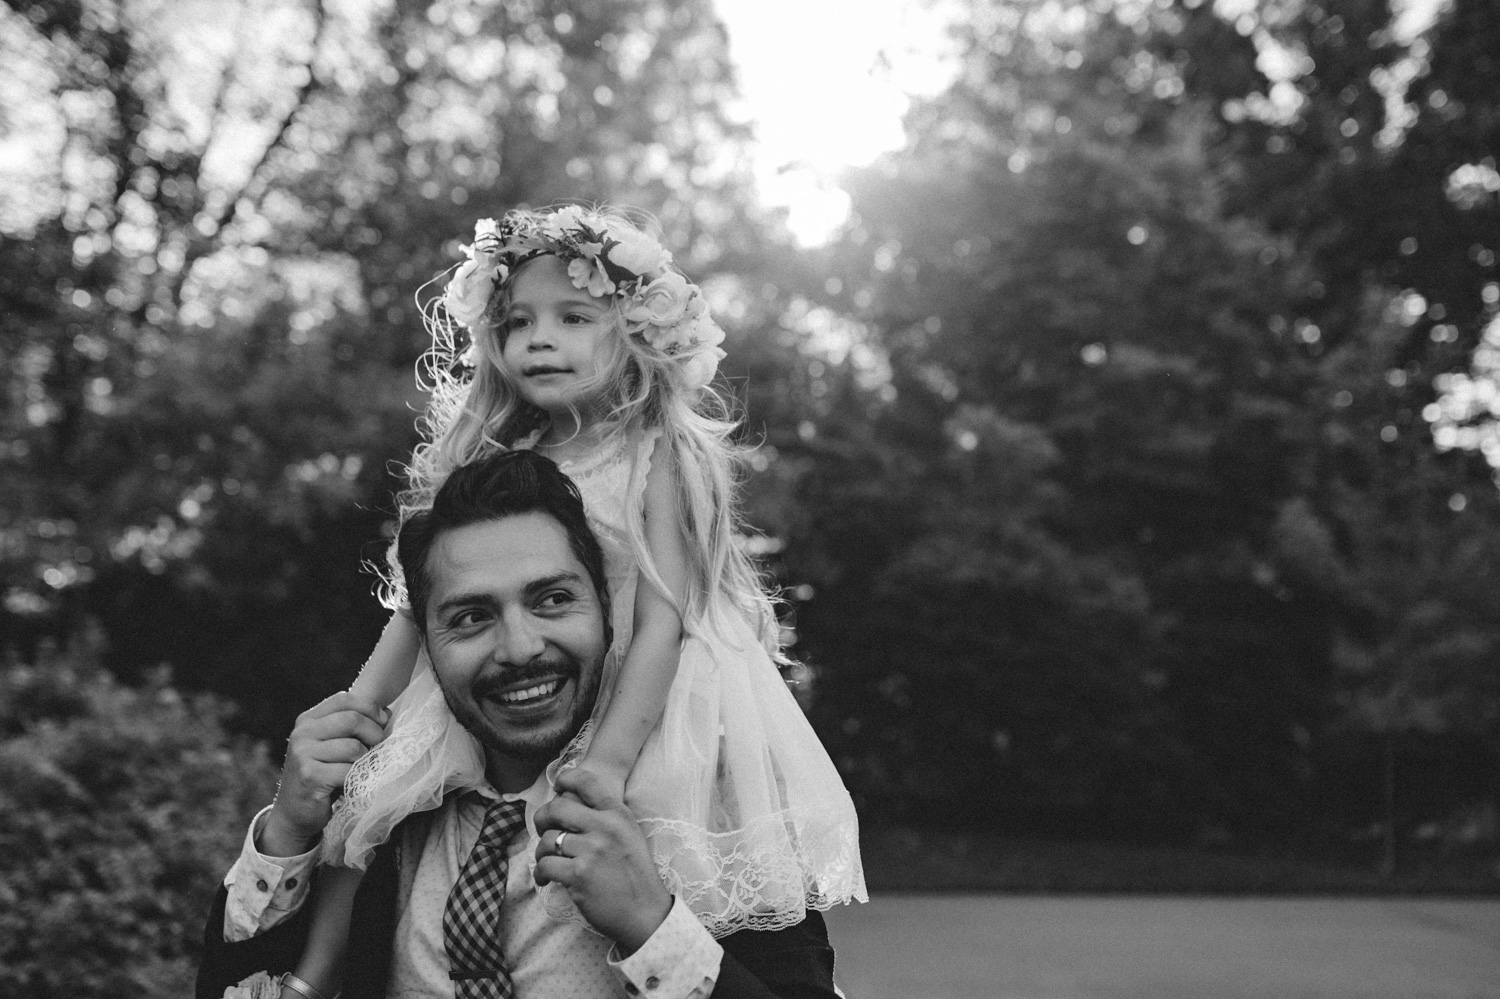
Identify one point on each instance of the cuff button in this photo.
(652, 982)
(291, 882)
(261, 884)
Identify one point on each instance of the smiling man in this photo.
(507, 586)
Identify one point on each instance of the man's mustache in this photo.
(564, 666)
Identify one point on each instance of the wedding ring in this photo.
(557, 844)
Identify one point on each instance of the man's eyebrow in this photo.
(463, 600)
(556, 579)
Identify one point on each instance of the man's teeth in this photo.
(530, 693)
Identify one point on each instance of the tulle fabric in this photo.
(748, 821)
(425, 755)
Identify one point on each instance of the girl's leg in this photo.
(322, 963)
(387, 671)
(384, 675)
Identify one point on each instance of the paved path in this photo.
(1142, 947)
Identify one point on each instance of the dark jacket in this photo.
(794, 963)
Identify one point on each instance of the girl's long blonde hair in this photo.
(639, 389)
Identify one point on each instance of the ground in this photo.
(951, 946)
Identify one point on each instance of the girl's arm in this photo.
(650, 664)
(386, 672)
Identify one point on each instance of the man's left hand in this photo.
(605, 863)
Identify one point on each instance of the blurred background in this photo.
(1125, 373)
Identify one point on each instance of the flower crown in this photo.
(606, 257)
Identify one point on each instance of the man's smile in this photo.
(537, 693)
(532, 694)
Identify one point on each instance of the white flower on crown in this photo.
(700, 328)
(487, 236)
(695, 328)
(698, 370)
(555, 227)
(663, 302)
(588, 275)
(468, 292)
(635, 251)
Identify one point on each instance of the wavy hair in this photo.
(475, 409)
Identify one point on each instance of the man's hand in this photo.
(325, 742)
(604, 864)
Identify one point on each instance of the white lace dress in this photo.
(747, 818)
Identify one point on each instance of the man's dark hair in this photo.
(502, 485)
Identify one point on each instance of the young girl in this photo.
(588, 345)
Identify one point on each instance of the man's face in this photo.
(516, 635)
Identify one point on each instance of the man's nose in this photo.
(520, 641)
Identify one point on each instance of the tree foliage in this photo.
(1147, 531)
(209, 288)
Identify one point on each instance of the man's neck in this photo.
(509, 775)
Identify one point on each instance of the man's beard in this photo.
(533, 746)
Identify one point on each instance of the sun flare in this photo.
(827, 83)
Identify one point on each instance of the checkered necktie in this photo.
(471, 920)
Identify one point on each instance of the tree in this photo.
(208, 292)
(1134, 284)
(1376, 179)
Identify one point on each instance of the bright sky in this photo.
(827, 82)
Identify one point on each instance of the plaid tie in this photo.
(471, 920)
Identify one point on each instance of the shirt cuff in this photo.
(679, 961)
(264, 891)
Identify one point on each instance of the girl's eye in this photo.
(577, 318)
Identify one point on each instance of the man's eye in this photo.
(555, 599)
(466, 619)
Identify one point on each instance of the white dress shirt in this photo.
(548, 958)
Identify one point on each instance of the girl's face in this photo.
(552, 337)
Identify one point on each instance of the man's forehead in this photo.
(503, 555)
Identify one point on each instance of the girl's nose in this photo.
(540, 336)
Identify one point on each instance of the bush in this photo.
(120, 810)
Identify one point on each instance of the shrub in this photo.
(120, 810)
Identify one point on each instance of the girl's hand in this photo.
(609, 780)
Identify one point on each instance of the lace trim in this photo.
(426, 754)
(801, 860)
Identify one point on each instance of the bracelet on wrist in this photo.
(305, 989)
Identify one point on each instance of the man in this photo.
(507, 586)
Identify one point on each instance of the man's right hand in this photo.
(325, 742)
